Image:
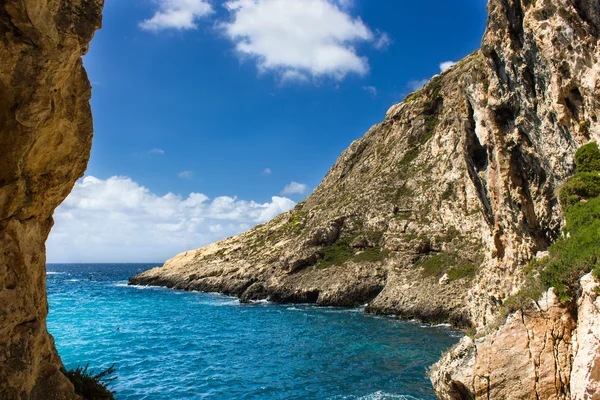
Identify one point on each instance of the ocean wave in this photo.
(379, 395)
(54, 273)
(139, 287)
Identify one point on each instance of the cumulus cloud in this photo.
(156, 151)
(267, 171)
(118, 220)
(294, 188)
(177, 14)
(300, 39)
(186, 175)
(445, 65)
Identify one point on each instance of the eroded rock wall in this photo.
(45, 141)
(549, 353)
(443, 202)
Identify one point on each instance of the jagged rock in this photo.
(585, 378)
(529, 357)
(45, 141)
(549, 353)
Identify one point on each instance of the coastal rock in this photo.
(549, 353)
(585, 378)
(45, 140)
(459, 179)
(529, 357)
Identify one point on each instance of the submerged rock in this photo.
(45, 141)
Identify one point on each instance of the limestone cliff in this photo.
(45, 141)
(434, 212)
(549, 353)
(449, 196)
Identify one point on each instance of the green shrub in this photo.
(336, 254)
(575, 255)
(582, 186)
(89, 385)
(373, 254)
(587, 158)
(531, 292)
(468, 270)
(437, 264)
(577, 252)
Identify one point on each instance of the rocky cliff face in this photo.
(549, 353)
(433, 213)
(45, 141)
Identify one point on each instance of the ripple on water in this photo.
(187, 345)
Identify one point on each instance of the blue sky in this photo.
(221, 114)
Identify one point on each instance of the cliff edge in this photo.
(45, 140)
(435, 210)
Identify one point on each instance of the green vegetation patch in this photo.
(575, 255)
(341, 251)
(447, 263)
(468, 270)
(336, 254)
(374, 254)
(90, 385)
(582, 186)
(577, 252)
(587, 158)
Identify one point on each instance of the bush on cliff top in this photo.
(90, 385)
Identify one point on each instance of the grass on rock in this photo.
(90, 385)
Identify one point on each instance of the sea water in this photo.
(169, 344)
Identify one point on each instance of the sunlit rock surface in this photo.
(45, 141)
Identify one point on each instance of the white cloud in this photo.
(294, 188)
(267, 171)
(186, 174)
(299, 39)
(445, 65)
(118, 220)
(177, 14)
(372, 90)
(157, 151)
(383, 41)
(416, 85)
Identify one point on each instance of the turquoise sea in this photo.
(173, 345)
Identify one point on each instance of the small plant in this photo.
(336, 254)
(468, 270)
(373, 254)
(90, 385)
(582, 186)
